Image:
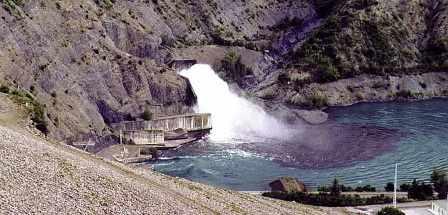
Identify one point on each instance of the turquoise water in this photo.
(420, 146)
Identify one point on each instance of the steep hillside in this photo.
(378, 37)
(89, 63)
(93, 62)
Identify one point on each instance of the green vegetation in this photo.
(439, 180)
(355, 39)
(420, 191)
(12, 6)
(33, 107)
(233, 66)
(407, 94)
(436, 53)
(389, 187)
(332, 196)
(390, 211)
(222, 36)
(329, 200)
(147, 115)
(4, 89)
(316, 100)
(106, 3)
(343, 188)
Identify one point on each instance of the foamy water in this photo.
(234, 118)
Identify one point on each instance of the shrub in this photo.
(11, 6)
(389, 187)
(147, 115)
(366, 188)
(327, 73)
(405, 187)
(316, 100)
(329, 200)
(106, 3)
(235, 69)
(34, 108)
(390, 211)
(4, 89)
(404, 94)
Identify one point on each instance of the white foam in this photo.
(233, 117)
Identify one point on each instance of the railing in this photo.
(188, 122)
(145, 137)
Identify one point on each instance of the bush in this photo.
(235, 69)
(316, 100)
(367, 188)
(389, 187)
(147, 115)
(34, 108)
(343, 188)
(390, 211)
(329, 200)
(12, 5)
(4, 89)
(405, 187)
(404, 94)
(327, 73)
(106, 3)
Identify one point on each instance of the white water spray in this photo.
(233, 117)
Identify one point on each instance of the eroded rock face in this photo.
(93, 62)
(88, 65)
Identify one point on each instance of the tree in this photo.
(335, 189)
(440, 182)
(405, 187)
(389, 187)
(420, 191)
(390, 211)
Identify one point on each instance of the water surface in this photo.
(367, 140)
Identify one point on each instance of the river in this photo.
(359, 145)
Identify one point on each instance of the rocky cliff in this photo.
(89, 63)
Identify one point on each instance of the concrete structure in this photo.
(182, 63)
(188, 122)
(165, 132)
(145, 137)
(439, 207)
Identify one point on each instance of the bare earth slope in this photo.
(49, 178)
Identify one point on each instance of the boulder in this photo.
(287, 184)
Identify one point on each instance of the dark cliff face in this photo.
(95, 62)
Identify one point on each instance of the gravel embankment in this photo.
(49, 178)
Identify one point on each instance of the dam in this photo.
(162, 130)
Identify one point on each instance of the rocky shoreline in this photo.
(360, 89)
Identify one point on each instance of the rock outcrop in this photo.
(287, 184)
